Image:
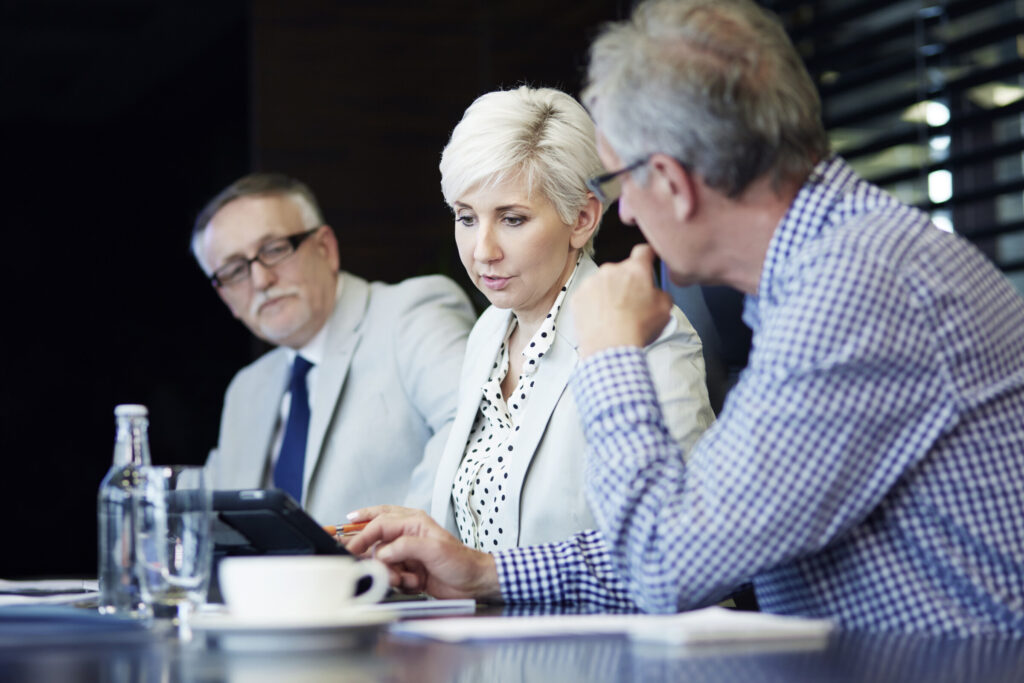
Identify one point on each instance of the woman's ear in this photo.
(587, 221)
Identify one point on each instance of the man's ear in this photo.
(674, 183)
(587, 221)
(327, 242)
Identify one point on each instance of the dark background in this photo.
(119, 118)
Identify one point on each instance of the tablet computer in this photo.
(267, 522)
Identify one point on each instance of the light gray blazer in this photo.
(546, 501)
(384, 393)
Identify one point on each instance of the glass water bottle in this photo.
(118, 580)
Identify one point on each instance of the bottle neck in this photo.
(132, 444)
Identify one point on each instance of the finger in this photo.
(389, 526)
(414, 577)
(409, 550)
(394, 577)
(372, 533)
(412, 582)
(368, 513)
(643, 253)
(399, 574)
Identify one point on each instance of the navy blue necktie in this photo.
(292, 457)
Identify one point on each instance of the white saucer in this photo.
(351, 628)
(225, 622)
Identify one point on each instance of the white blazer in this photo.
(546, 500)
(384, 393)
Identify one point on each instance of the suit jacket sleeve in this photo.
(676, 364)
(433, 332)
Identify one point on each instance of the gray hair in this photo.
(541, 135)
(258, 185)
(716, 84)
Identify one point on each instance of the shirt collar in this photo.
(806, 218)
(316, 348)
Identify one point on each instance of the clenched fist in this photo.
(620, 305)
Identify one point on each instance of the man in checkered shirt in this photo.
(869, 464)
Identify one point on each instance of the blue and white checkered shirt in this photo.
(869, 464)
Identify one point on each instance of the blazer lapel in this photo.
(476, 369)
(342, 340)
(552, 379)
(265, 406)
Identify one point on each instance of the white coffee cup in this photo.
(299, 587)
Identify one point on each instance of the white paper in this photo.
(712, 625)
(716, 625)
(423, 608)
(47, 586)
(47, 592)
(57, 599)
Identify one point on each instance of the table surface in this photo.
(381, 656)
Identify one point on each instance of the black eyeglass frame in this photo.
(292, 240)
(594, 184)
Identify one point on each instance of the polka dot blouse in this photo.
(480, 490)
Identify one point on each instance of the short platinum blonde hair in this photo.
(716, 84)
(540, 135)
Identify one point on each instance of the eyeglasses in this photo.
(270, 254)
(595, 184)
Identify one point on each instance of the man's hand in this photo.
(620, 306)
(423, 557)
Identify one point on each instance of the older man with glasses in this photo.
(361, 389)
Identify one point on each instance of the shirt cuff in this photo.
(577, 571)
(529, 575)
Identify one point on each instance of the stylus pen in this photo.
(342, 530)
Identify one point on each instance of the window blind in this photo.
(926, 99)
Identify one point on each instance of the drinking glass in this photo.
(173, 541)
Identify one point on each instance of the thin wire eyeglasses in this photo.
(270, 254)
(594, 184)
